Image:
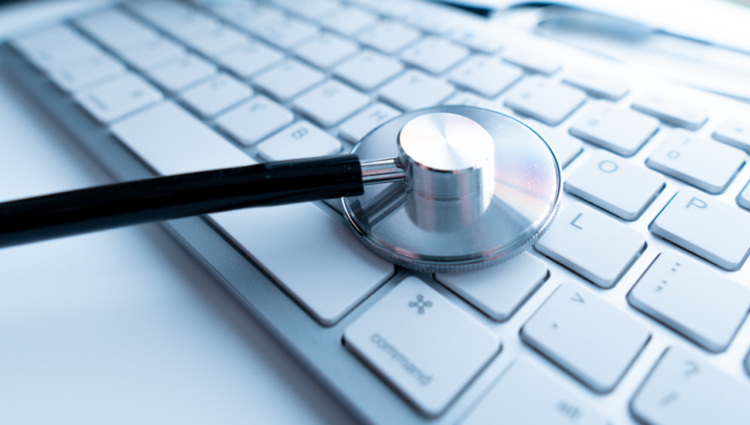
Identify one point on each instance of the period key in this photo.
(422, 344)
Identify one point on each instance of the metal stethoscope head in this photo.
(445, 189)
(479, 188)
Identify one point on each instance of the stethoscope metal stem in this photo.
(382, 171)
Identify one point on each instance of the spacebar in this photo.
(316, 260)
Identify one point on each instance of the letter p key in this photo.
(697, 203)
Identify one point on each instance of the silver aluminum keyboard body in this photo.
(358, 386)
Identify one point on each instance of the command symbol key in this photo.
(422, 344)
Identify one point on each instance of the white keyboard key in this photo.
(56, 47)
(429, 18)
(119, 97)
(598, 85)
(684, 390)
(705, 226)
(734, 133)
(396, 337)
(566, 148)
(485, 75)
(415, 90)
(252, 121)
(544, 100)
(216, 94)
(287, 33)
(391, 8)
(703, 163)
(87, 72)
(389, 36)
(288, 79)
(45, 39)
(250, 59)
(366, 121)
(312, 9)
(568, 328)
(692, 299)
(326, 50)
(744, 198)
(484, 39)
(300, 140)
(116, 30)
(434, 55)
(533, 61)
(249, 16)
(217, 41)
(153, 54)
(331, 102)
(671, 111)
(591, 244)
(159, 12)
(186, 71)
(349, 20)
(623, 131)
(368, 70)
(188, 25)
(526, 395)
(315, 259)
(499, 291)
(470, 99)
(615, 185)
(172, 141)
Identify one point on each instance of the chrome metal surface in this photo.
(430, 227)
(381, 171)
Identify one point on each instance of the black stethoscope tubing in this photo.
(170, 197)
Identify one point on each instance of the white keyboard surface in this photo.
(631, 308)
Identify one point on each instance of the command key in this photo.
(422, 344)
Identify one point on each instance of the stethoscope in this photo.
(445, 189)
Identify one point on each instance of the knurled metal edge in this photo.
(461, 266)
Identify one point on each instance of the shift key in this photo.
(422, 344)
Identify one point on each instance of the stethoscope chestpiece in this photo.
(480, 188)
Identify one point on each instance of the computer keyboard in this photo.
(631, 308)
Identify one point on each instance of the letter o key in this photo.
(608, 166)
